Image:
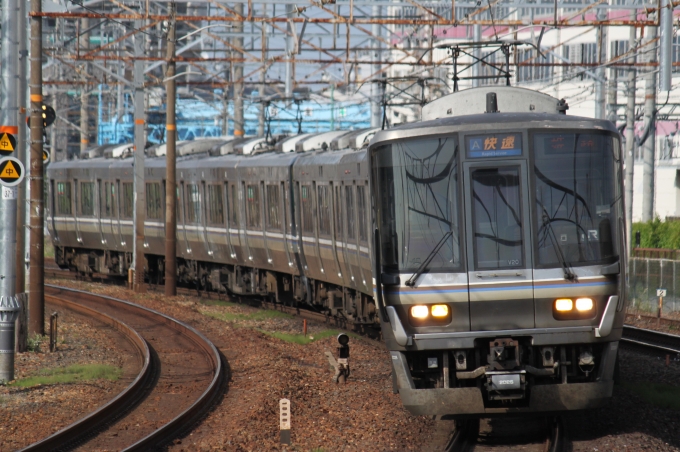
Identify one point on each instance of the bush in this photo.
(657, 234)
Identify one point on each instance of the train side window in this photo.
(349, 204)
(64, 198)
(324, 201)
(216, 205)
(193, 206)
(273, 202)
(361, 207)
(338, 213)
(253, 206)
(153, 201)
(307, 209)
(87, 198)
(128, 199)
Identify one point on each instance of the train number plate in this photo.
(505, 381)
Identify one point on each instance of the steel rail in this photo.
(656, 340)
(182, 421)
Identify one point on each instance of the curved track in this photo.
(502, 434)
(182, 375)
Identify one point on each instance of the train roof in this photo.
(454, 124)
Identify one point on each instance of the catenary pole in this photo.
(84, 94)
(630, 134)
(36, 299)
(140, 142)
(649, 147)
(170, 174)
(239, 131)
(21, 148)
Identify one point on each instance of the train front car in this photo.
(501, 255)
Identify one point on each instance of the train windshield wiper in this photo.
(566, 266)
(412, 280)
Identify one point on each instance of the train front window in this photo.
(418, 204)
(576, 200)
(496, 213)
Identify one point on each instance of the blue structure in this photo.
(196, 119)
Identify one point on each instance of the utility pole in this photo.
(170, 172)
(650, 122)
(630, 131)
(140, 143)
(36, 296)
(289, 51)
(84, 95)
(21, 148)
(376, 88)
(263, 78)
(238, 75)
(600, 109)
(477, 53)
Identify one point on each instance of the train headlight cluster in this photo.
(574, 309)
(430, 315)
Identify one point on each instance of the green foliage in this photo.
(657, 234)
(71, 374)
(257, 315)
(48, 249)
(33, 343)
(661, 395)
(301, 339)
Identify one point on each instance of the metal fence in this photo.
(648, 275)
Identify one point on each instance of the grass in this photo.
(210, 302)
(48, 249)
(660, 395)
(71, 374)
(304, 340)
(33, 342)
(257, 315)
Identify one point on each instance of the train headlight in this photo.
(419, 312)
(564, 305)
(584, 304)
(440, 310)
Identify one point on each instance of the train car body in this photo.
(501, 255)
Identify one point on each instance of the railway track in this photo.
(651, 340)
(502, 434)
(180, 379)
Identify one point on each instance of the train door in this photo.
(52, 211)
(183, 222)
(232, 222)
(351, 233)
(340, 237)
(334, 242)
(499, 245)
(205, 202)
(299, 229)
(264, 215)
(99, 211)
(242, 230)
(285, 227)
(116, 214)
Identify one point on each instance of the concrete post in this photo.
(376, 88)
(630, 135)
(84, 94)
(140, 143)
(477, 52)
(238, 75)
(170, 165)
(600, 109)
(650, 119)
(9, 310)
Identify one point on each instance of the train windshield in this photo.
(418, 189)
(576, 199)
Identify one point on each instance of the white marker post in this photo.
(284, 420)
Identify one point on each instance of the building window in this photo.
(273, 219)
(153, 201)
(216, 205)
(64, 198)
(307, 209)
(87, 198)
(253, 206)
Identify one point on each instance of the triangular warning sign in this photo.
(6, 143)
(9, 171)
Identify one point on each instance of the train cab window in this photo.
(153, 201)
(64, 198)
(128, 199)
(324, 201)
(253, 206)
(87, 198)
(273, 218)
(193, 206)
(216, 205)
(497, 222)
(361, 208)
(307, 209)
(349, 210)
(576, 207)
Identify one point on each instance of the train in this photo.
(486, 242)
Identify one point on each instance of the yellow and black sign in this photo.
(46, 156)
(7, 143)
(11, 171)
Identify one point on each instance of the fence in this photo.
(646, 276)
